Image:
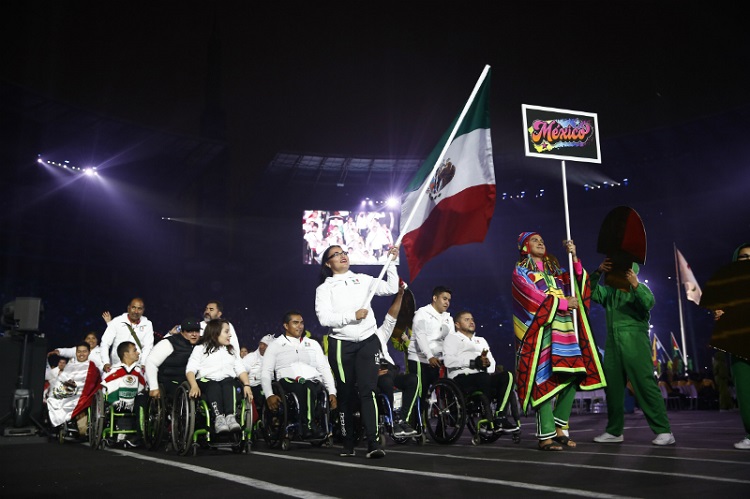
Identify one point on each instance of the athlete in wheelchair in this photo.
(468, 359)
(117, 411)
(211, 409)
(304, 392)
(165, 371)
(395, 413)
(71, 394)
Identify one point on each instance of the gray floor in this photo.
(702, 464)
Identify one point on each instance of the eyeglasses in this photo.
(338, 253)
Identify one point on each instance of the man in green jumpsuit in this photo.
(627, 355)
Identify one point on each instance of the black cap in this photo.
(190, 325)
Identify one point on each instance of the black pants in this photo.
(307, 395)
(407, 383)
(259, 398)
(494, 386)
(355, 369)
(427, 376)
(219, 395)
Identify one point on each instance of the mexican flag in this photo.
(451, 199)
(73, 391)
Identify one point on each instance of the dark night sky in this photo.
(385, 80)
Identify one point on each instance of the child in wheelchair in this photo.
(211, 371)
(124, 388)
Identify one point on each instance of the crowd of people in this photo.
(556, 353)
(366, 235)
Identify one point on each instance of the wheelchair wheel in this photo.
(96, 421)
(155, 422)
(275, 422)
(445, 415)
(322, 417)
(183, 421)
(478, 419)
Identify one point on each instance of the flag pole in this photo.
(567, 234)
(423, 193)
(679, 307)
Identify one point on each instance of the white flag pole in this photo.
(679, 308)
(570, 256)
(423, 192)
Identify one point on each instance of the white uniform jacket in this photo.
(429, 328)
(117, 331)
(215, 366)
(339, 297)
(460, 350)
(290, 357)
(253, 362)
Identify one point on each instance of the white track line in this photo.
(443, 476)
(587, 466)
(242, 480)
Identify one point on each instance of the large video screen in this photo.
(366, 235)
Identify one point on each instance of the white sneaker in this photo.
(608, 438)
(220, 424)
(743, 444)
(663, 439)
(232, 423)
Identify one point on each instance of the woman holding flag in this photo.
(342, 304)
(553, 358)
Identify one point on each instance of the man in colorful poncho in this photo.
(552, 361)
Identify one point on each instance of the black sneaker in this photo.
(399, 431)
(408, 430)
(133, 443)
(375, 452)
(348, 450)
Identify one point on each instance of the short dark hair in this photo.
(288, 315)
(218, 304)
(84, 344)
(439, 290)
(459, 314)
(123, 347)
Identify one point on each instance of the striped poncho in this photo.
(550, 356)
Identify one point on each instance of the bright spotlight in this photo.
(392, 202)
(89, 172)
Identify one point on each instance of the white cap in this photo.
(267, 339)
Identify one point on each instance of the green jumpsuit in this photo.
(627, 355)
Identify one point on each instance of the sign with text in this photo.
(561, 134)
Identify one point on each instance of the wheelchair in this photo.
(192, 427)
(385, 420)
(157, 421)
(449, 410)
(445, 413)
(109, 426)
(282, 426)
(68, 431)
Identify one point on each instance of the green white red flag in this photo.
(459, 195)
